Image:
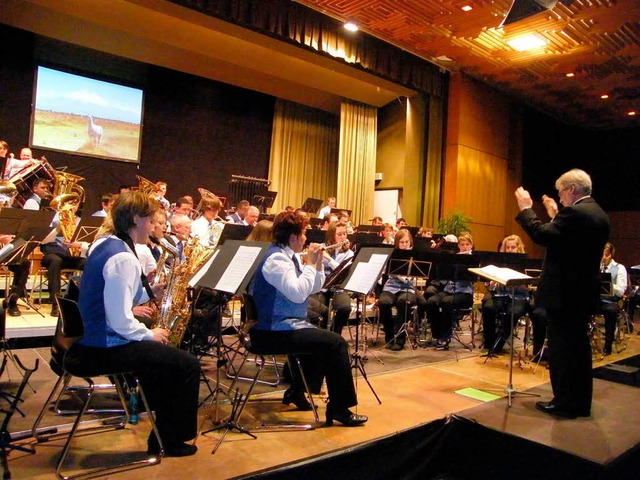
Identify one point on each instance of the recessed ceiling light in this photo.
(352, 27)
(467, 8)
(631, 113)
(604, 97)
(571, 74)
(526, 42)
(443, 58)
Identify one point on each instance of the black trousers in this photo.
(610, 314)
(404, 302)
(493, 306)
(539, 327)
(440, 310)
(319, 308)
(170, 378)
(570, 358)
(324, 354)
(20, 276)
(54, 263)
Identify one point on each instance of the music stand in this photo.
(311, 205)
(229, 272)
(87, 228)
(338, 211)
(401, 266)
(232, 231)
(264, 200)
(364, 228)
(367, 267)
(507, 278)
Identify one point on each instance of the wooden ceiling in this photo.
(596, 40)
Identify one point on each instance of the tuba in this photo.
(146, 186)
(67, 195)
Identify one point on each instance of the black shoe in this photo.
(396, 347)
(298, 399)
(179, 449)
(607, 351)
(345, 417)
(54, 311)
(553, 409)
(13, 311)
(442, 344)
(389, 345)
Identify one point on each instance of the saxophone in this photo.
(174, 311)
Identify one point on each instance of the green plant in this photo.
(455, 223)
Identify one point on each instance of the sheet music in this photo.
(503, 275)
(238, 267)
(366, 273)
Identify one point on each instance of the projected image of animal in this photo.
(94, 131)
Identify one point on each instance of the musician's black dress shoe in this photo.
(171, 449)
(553, 409)
(13, 311)
(345, 417)
(298, 398)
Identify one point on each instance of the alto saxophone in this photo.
(174, 311)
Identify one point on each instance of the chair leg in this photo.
(146, 462)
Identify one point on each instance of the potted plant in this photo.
(455, 223)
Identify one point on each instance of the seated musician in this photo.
(209, 225)
(262, 232)
(106, 201)
(160, 195)
(237, 217)
(14, 166)
(398, 291)
(610, 304)
(455, 294)
(328, 220)
(58, 254)
(251, 218)
(40, 190)
(329, 204)
(501, 299)
(376, 221)
(113, 340)
(19, 268)
(340, 301)
(180, 232)
(388, 234)
(280, 289)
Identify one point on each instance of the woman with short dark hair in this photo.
(280, 289)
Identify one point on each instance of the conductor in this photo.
(568, 287)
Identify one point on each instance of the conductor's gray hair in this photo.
(577, 178)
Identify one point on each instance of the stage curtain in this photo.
(304, 154)
(434, 161)
(357, 160)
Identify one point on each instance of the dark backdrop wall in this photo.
(196, 132)
(610, 157)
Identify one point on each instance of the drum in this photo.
(24, 179)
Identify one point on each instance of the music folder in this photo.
(503, 275)
(232, 267)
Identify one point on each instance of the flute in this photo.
(333, 246)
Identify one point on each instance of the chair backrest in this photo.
(68, 331)
(73, 289)
(250, 312)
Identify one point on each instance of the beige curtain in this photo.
(357, 160)
(304, 154)
(434, 161)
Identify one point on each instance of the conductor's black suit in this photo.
(568, 290)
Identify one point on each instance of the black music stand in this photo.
(264, 200)
(87, 228)
(508, 278)
(338, 211)
(367, 268)
(311, 205)
(232, 231)
(229, 272)
(409, 268)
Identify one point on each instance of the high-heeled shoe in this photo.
(345, 417)
(298, 399)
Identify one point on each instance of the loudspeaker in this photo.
(521, 9)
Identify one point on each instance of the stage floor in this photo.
(422, 388)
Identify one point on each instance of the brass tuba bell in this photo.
(67, 195)
(146, 186)
(8, 192)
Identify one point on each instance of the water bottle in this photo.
(133, 405)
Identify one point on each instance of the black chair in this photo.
(71, 329)
(250, 317)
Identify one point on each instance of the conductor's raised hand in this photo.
(524, 198)
(550, 205)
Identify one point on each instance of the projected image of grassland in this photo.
(64, 131)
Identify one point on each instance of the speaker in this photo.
(521, 9)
